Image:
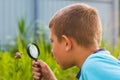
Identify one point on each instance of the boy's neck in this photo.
(83, 53)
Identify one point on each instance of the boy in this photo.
(75, 32)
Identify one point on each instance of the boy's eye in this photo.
(51, 40)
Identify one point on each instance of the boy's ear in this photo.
(68, 43)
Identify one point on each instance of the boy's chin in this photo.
(65, 67)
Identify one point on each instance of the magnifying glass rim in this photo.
(28, 50)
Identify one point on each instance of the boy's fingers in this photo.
(42, 64)
(39, 62)
(37, 69)
(37, 74)
(36, 77)
(35, 63)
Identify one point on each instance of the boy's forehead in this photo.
(51, 33)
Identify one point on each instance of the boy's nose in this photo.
(52, 50)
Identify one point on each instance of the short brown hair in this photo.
(78, 21)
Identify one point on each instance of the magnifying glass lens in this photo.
(33, 51)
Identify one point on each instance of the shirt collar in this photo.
(78, 74)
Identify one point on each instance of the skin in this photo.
(66, 52)
(43, 72)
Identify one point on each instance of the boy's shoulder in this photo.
(101, 58)
(99, 63)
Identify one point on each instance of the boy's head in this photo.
(74, 30)
(78, 21)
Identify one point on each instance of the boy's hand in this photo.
(41, 71)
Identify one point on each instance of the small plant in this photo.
(25, 32)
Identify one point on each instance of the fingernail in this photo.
(36, 62)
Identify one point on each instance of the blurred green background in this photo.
(20, 21)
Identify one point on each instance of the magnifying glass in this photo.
(33, 51)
